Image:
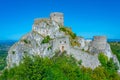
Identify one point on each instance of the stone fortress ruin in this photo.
(87, 52)
(98, 42)
(61, 41)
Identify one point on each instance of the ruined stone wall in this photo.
(58, 17)
(39, 20)
(88, 60)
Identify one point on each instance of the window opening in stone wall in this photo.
(64, 41)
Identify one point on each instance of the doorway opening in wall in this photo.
(62, 48)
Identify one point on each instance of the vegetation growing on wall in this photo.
(50, 47)
(74, 42)
(73, 36)
(13, 52)
(68, 31)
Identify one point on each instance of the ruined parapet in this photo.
(99, 42)
(58, 17)
(102, 39)
(38, 20)
(55, 16)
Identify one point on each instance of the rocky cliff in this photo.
(34, 43)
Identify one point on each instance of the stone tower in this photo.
(58, 17)
(99, 42)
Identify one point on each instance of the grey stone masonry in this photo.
(88, 60)
(58, 17)
(62, 44)
(99, 42)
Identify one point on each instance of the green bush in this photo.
(80, 62)
(103, 59)
(68, 31)
(27, 41)
(46, 40)
(13, 52)
(50, 47)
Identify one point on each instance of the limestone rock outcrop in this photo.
(31, 43)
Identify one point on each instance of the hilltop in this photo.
(49, 36)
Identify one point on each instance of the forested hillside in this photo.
(60, 67)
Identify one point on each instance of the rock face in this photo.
(47, 37)
(31, 43)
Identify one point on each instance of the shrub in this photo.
(50, 47)
(80, 62)
(27, 41)
(68, 31)
(46, 40)
(13, 52)
(103, 59)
